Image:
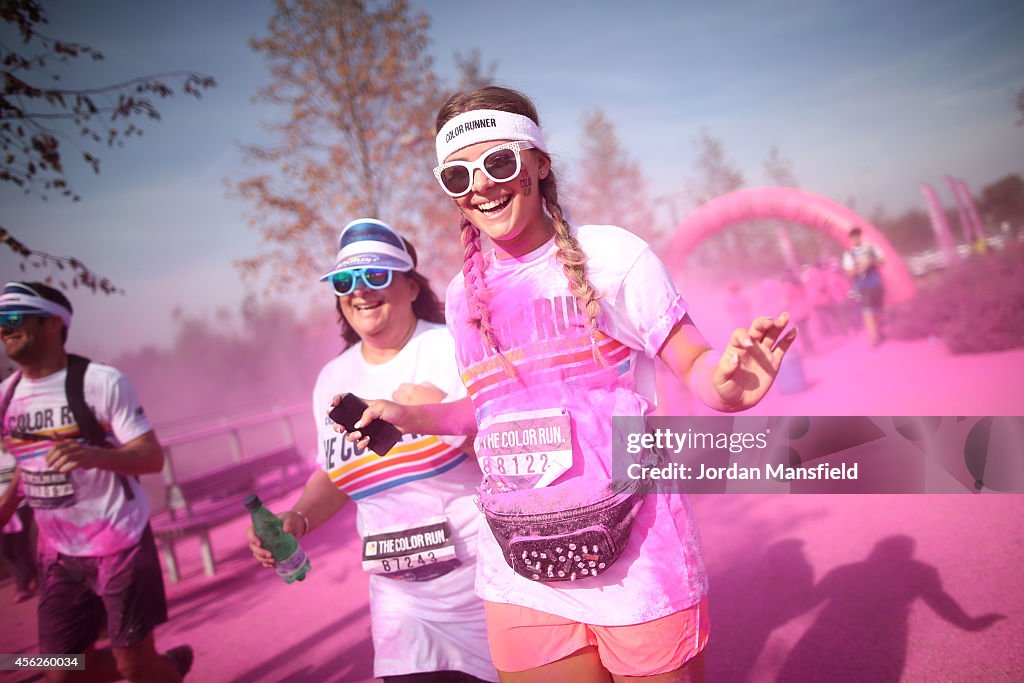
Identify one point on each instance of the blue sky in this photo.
(867, 99)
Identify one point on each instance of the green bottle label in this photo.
(287, 568)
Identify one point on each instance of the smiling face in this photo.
(35, 337)
(510, 213)
(382, 317)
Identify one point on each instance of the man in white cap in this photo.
(78, 461)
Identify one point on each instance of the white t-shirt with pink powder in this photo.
(88, 513)
(432, 625)
(542, 332)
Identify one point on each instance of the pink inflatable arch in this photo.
(789, 204)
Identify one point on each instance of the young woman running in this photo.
(556, 330)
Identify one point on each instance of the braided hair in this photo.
(569, 253)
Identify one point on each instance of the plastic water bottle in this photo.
(290, 559)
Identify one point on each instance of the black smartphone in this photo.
(383, 435)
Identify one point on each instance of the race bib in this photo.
(48, 490)
(6, 475)
(525, 450)
(420, 553)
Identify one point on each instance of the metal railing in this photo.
(233, 429)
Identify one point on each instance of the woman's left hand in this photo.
(751, 361)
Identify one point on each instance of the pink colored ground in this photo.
(893, 617)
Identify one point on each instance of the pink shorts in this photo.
(522, 638)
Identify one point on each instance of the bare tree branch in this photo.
(37, 122)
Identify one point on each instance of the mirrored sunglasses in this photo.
(500, 164)
(12, 321)
(345, 282)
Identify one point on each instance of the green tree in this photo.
(911, 231)
(40, 118)
(1003, 201)
(361, 94)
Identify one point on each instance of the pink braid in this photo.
(478, 296)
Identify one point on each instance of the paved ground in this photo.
(804, 588)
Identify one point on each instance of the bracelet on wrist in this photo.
(305, 521)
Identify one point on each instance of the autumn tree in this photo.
(737, 246)
(716, 175)
(357, 140)
(472, 72)
(608, 186)
(779, 169)
(40, 118)
(797, 245)
(439, 215)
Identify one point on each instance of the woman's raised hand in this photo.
(751, 361)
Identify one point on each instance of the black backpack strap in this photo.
(74, 387)
(88, 426)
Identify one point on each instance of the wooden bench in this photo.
(208, 499)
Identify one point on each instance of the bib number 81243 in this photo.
(406, 562)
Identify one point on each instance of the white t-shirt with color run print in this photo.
(424, 478)
(86, 513)
(541, 331)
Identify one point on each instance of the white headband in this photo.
(479, 125)
(16, 302)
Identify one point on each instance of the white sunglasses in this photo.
(500, 164)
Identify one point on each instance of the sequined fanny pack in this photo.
(553, 535)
